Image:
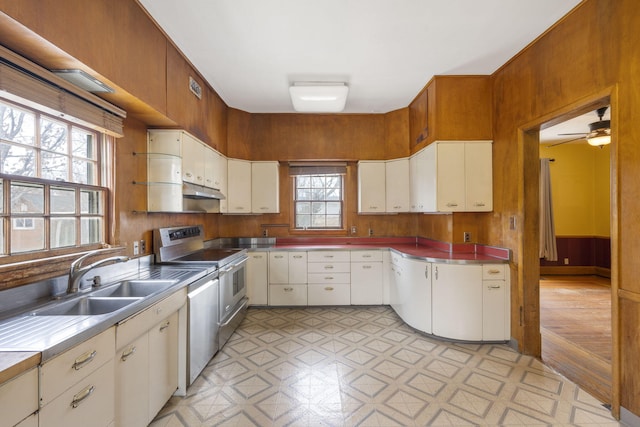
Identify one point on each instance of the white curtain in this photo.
(548, 249)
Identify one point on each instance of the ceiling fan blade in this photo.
(564, 142)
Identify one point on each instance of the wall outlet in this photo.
(467, 236)
(136, 247)
(143, 246)
(566, 261)
(354, 230)
(371, 232)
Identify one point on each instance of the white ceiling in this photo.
(250, 51)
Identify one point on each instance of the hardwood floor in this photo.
(575, 324)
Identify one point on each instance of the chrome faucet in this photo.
(77, 271)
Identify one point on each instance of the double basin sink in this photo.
(108, 299)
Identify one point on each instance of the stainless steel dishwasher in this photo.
(202, 304)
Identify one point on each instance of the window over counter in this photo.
(51, 182)
(318, 195)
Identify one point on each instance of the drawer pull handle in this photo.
(493, 287)
(288, 289)
(81, 361)
(328, 278)
(494, 271)
(165, 326)
(257, 257)
(297, 256)
(328, 288)
(478, 204)
(278, 256)
(366, 267)
(328, 256)
(80, 397)
(366, 256)
(128, 353)
(328, 267)
(452, 204)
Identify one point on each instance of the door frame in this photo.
(528, 272)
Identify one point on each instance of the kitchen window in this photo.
(318, 197)
(51, 184)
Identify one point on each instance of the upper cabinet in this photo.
(452, 108)
(252, 187)
(371, 187)
(452, 176)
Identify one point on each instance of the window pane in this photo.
(303, 181)
(63, 232)
(84, 172)
(2, 249)
(333, 181)
(334, 221)
(82, 143)
(16, 160)
(55, 166)
(53, 136)
(91, 202)
(27, 235)
(91, 230)
(303, 221)
(303, 208)
(63, 201)
(317, 182)
(17, 125)
(303, 194)
(318, 221)
(318, 208)
(27, 198)
(334, 194)
(334, 208)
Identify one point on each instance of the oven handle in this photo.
(245, 301)
(233, 267)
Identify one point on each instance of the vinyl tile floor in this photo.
(362, 366)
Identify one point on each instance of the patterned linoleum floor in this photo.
(362, 366)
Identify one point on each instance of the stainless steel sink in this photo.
(135, 288)
(86, 306)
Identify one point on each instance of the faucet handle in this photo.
(97, 281)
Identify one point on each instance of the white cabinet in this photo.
(265, 187)
(423, 180)
(19, 397)
(478, 162)
(238, 186)
(366, 278)
(495, 303)
(329, 278)
(146, 368)
(257, 278)
(411, 291)
(457, 301)
(397, 185)
(371, 187)
(78, 385)
(287, 278)
(193, 159)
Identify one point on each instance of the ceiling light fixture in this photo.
(600, 133)
(83, 80)
(319, 97)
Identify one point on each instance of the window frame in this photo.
(295, 201)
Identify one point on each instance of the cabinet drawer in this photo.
(287, 294)
(134, 326)
(91, 399)
(329, 256)
(334, 294)
(329, 277)
(19, 397)
(493, 271)
(66, 369)
(329, 267)
(366, 256)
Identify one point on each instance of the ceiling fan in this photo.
(599, 132)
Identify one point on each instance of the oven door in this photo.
(232, 287)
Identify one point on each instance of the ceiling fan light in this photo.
(599, 140)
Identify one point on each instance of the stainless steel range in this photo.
(211, 323)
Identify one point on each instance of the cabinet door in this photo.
(238, 186)
(163, 363)
(423, 180)
(371, 187)
(297, 267)
(19, 397)
(397, 185)
(193, 160)
(451, 176)
(132, 383)
(257, 278)
(366, 283)
(457, 301)
(478, 176)
(279, 267)
(415, 293)
(494, 307)
(164, 171)
(265, 187)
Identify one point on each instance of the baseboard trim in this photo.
(569, 270)
(628, 418)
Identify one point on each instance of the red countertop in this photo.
(412, 246)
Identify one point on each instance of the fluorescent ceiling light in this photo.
(314, 97)
(83, 80)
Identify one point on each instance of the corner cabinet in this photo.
(452, 176)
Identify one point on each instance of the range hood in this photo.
(194, 191)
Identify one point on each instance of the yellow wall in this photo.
(580, 189)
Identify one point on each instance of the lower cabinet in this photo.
(257, 278)
(287, 278)
(146, 368)
(495, 302)
(329, 278)
(366, 278)
(288, 294)
(19, 397)
(78, 385)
